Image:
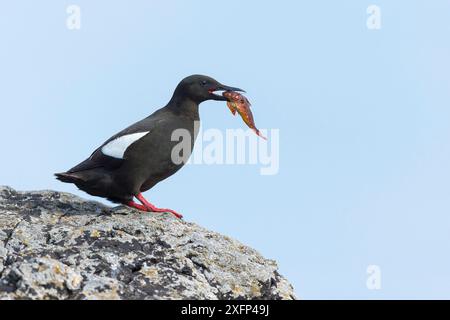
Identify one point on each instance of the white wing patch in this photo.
(117, 147)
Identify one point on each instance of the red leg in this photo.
(152, 208)
(138, 206)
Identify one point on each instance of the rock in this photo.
(55, 245)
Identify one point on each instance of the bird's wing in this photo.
(110, 155)
(97, 160)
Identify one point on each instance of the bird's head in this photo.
(202, 88)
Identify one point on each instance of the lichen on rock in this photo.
(55, 245)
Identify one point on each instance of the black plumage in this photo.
(148, 159)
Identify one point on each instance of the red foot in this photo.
(151, 207)
(135, 205)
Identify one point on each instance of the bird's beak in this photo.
(221, 87)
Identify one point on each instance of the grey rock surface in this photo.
(55, 245)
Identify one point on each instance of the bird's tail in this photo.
(68, 177)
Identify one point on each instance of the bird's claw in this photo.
(148, 207)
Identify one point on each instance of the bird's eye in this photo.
(203, 83)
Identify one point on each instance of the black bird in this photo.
(137, 158)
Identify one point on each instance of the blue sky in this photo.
(363, 118)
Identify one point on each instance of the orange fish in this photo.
(237, 102)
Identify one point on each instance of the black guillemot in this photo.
(137, 158)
